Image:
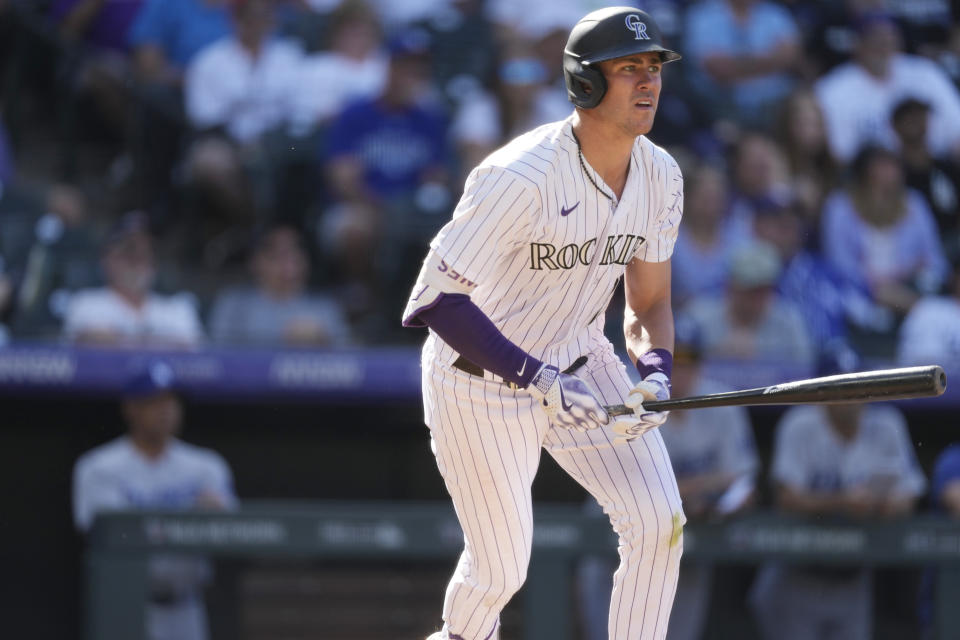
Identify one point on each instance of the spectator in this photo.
(463, 48)
(828, 302)
(702, 255)
(743, 53)
(759, 170)
(126, 312)
(936, 177)
(165, 37)
(278, 309)
(880, 235)
(95, 69)
(52, 252)
(388, 164)
(521, 100)
(715, 461)
(150, 468)
(931, 331)
(752, 322)
(353, 67)
(834, 460)
(167, 34)
(858, 96)
(811, 169)
(238, 91)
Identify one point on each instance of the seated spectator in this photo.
(150, 468)
(930, 334)
(520, 100)
(463, 48)
(758, 170)
(167, 34)
(743, 53)
(239, 89)
(352, 67)
(701, 258)
(388, 164)
(126, 312)
(751, 321)
(828, 302)
(165, 37)
(96, 33)
(52, 252)
(857, 97)
(880, 235)
(715, 461)
(811, 169)
(834, 460)
(278, 309)
(937, 177)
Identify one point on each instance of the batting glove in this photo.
(655, 386)
(567, 400)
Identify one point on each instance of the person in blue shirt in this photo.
(744, 52)
(389, 167)
(830, 304)
(168, 33)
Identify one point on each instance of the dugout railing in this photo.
(120, 542)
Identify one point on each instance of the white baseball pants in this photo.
(487, 441)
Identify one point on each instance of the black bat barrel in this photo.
(863, 386)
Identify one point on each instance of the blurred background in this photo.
(212, 211)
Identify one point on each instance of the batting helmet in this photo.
(606, 34)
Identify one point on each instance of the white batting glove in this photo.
(656, 386)
(567, 400)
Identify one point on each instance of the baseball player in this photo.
(854, 460)
(149, 468)
(514, 290)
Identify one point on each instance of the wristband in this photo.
(655, 361)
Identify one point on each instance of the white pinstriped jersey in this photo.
(527, 233)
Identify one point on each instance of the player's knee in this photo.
(658, 529)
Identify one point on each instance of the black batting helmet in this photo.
(606, 34)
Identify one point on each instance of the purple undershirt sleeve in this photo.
(463, 326)
(655, 360)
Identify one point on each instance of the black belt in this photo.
(475, 370)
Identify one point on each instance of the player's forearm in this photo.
(462, 325)
(808, 502)
(649, 329)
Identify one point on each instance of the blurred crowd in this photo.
(268, 172)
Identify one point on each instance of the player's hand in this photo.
(655, 386)
(567, 400)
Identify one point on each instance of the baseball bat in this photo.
(862, 386)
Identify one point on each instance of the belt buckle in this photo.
(512, 385)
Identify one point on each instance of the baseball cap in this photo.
(412, 42)
(153, 379)
(755, 265)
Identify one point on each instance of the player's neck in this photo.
(606, 150)
(150, 448)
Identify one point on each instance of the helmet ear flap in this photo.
(585, 85)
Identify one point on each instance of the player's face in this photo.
(633, 92)
(155, 418)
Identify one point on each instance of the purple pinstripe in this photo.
(474, 423)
